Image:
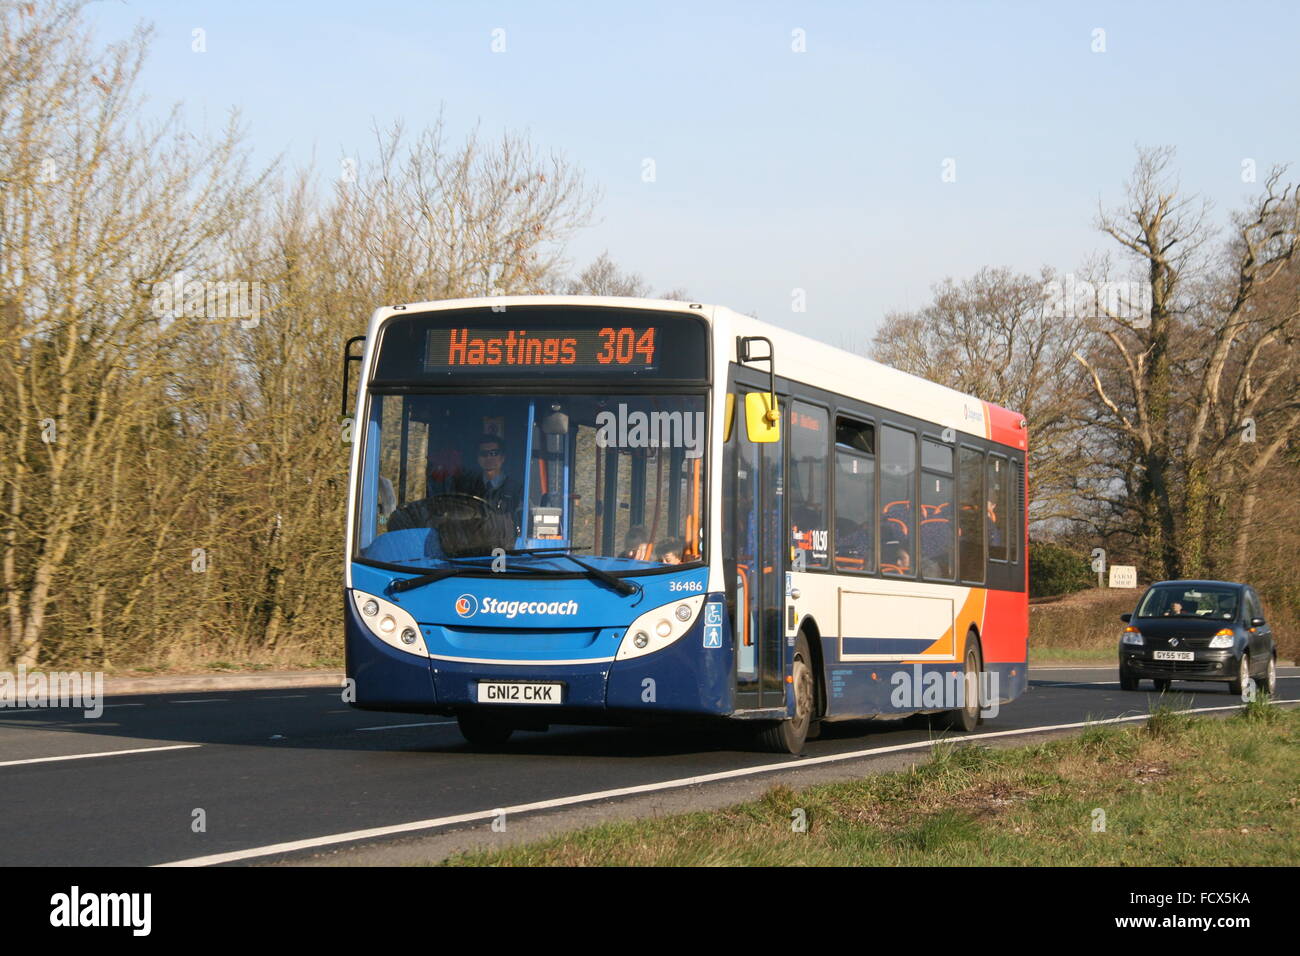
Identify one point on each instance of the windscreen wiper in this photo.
(410, 584)
(621, 585)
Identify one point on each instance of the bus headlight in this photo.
(391, 623)
(658, 627)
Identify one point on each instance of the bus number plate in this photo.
(500, 692)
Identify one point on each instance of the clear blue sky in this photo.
(775, 170)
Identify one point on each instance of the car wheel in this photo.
(1237, 686)
(788, 736)
(1161, 685)
(1269, 684)
(1126, 680)
(966, 718)
(483, 731)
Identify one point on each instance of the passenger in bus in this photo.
(670, 552)
(895, 559)
(995, 529)
(637, 544)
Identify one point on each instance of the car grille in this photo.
(1186, 642)
(1177, 667)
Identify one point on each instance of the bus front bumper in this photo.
(683, 679)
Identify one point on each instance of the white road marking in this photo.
(793, 764)
(435, 723)
(105, 753)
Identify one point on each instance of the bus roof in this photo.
(798, 358)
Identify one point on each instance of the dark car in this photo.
(1198, 630)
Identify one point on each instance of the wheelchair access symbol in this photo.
(713, 614)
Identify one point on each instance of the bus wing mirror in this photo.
(762, 418)
(348, 359)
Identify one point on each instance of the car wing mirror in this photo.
(1256, 622)
(1126, 618)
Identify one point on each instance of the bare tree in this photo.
(1176, 383)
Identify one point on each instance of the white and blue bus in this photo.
(590, 510)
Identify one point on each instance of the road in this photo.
(262, 769)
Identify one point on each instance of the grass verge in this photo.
(1176, 791)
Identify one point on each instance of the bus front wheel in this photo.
(482, 730)
(789, 736)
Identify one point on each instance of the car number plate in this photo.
(510, 692)
(1172, 656)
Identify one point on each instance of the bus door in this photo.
(753, 526)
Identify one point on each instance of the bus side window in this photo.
(1015, 508)
(898, 526)
(970, 528)
(855, 495)
(809, 448)
(936, 510)
(996, 507)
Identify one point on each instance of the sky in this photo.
(858, 152)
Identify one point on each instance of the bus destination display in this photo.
(612, 348)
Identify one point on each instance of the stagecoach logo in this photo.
(467, 605)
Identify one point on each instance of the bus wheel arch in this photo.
(812, 634)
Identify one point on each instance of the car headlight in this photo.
(1132, 637)
(390, 623)
(1223, 638)
(657, 628)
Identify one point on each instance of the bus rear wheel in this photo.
(482, 730)
(789, 736)
(966, 718)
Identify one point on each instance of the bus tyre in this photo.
(789, 736)
(967, 717)
(482, 730)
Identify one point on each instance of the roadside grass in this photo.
(1073, 655)
(1178, 790)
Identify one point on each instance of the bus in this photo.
(614, 511)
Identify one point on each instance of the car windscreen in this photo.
(1190, 601)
